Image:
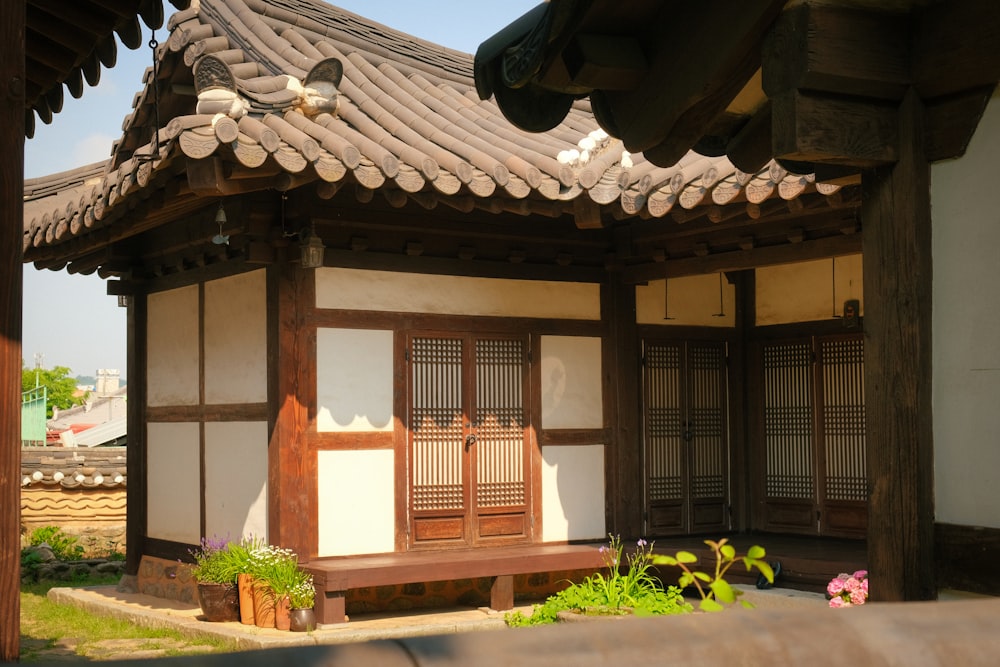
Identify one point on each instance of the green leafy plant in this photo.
(64, 547)
(714, 590)
(303, 593)
(279, 570)
(634, 591)
(216, 561)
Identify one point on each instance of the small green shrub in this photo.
(64, 547)
(634, 592)
(714, 590)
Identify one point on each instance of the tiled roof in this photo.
(72, 468)
(404, 119)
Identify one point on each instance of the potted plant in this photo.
(275, 572)
(215, 569)
(302, 598)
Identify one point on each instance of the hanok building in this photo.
(374, 320)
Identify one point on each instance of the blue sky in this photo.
(69, 319)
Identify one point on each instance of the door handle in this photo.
(470, 440)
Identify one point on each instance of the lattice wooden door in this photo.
(686, 437)
(468, 440)
(813, 435)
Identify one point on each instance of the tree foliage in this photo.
(58, 383)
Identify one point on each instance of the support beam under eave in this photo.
(896, 215)
(12, 113)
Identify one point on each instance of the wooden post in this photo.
(896, 217)
(11, 286)
(620, 368)
(291, 469)
(135, 525)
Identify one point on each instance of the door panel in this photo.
(439, 486)
(686, 438)
(789, 481)
(468, 435)
(814, 436)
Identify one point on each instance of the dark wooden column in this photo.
(135, 525)
(896, 216)
(11, 295)
(291, 471)
(620, 368)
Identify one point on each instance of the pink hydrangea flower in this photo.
(835, 587)
(858, 596)
(837, 601)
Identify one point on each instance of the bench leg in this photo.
(502, 593)
(330, 607)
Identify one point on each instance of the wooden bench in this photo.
(333, 577)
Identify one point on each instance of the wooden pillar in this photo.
(11, 295)
(291, 470)
(620, 363)
(135, 524)
(896, 217)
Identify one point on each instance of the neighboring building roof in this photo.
(67, 42)
(407, 123)
(73, 468)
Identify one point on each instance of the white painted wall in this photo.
(359, 289)
(236, 339)
(354, 380)
(173, 508)
(805, 291)
(573, 493)
(966, 331)
(571, 382)
(692, 301)
(236, 479)
(172, 340)
(356, 502)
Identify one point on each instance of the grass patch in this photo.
(47, 626)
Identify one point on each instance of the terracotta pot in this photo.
(302, 620)
(282, 618)
(263, 605)
(219, 602)
(245, 584)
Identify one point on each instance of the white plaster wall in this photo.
(571, 382)
(804, 291)
(172, 340)
(173, 482)
(573, 493)
(966, 324)
(359, 289)
(236, 479)
(356, 502)
(354, 380)
(692, 301)
(236, 339)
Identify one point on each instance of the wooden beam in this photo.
(737, 260)
(951, 122)
(896, 214)
(688, 32)
(12, 113)
(956, 47)
(813, 128)
(837, 50)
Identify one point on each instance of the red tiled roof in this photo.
(409, 122)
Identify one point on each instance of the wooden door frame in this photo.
(531, 453)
